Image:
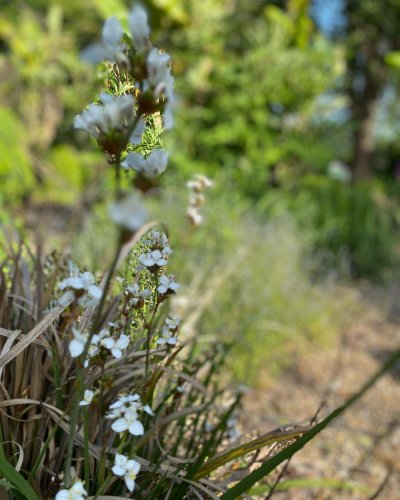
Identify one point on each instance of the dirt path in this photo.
(362, 448)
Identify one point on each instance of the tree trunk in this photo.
(363, 145)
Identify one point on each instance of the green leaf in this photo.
(393, 59)
(8, 472)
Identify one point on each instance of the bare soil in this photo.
(362, 447)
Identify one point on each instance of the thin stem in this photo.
(86, 446)
(78, 389)
(97, 321)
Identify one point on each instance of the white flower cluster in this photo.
(125, 411)
(157, 258)
(76, 492)
(80, 287)
(136, 297)
(151, 70)
(117, 345)
(169, 330)
(113, 114)
(128, 469)
(197, 186)
(160, 251)
(167, 285)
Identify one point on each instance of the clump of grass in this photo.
(42, 385)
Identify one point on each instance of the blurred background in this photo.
(290, 107)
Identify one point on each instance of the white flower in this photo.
(139, 28)
(86, 283)
(199, 183)
(167, 283)
(154, 258)
(126, 401)
(77, 344)
(129, 213)
(167, 337)
(77, 492)
(136, 135)
(129, 421)
(116, 346)
(158, 71)
(128, 469)
(151, 167)
(110, 48)
(114, 113)
(87, 398)
(173, 324)
(194, 216)
(92, 120)
(157, 240)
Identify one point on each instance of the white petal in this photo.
(162, 289)
(63, 495)
(139, 27)
(95, 291)
(130, 483)
(136, 428)
(94, 54)
(66, 298)
(119, 425)
(117, 353)
(75, 348)
(133, 466)
(108, 342)
(112, 33)
(148, 410)
(118, 471)
(123, 341)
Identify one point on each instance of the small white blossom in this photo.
(173, 324)
(87, 398)
(85, 283)
(125, 411)
(154, 258)
(116, 346)
(139, 28)
(167, 284)
(158, 72)
(151, 167)
(129, 422)
(126, 401)
(194, 216)
(114, 113)
(110, 48)
(77, 492)
(77, 344)
(167, 337)
(129, 213)
(128, 469)
(136, 135)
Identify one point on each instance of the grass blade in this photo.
(9, 473)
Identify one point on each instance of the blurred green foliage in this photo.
(261, 93)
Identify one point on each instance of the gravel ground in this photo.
(361, 448)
